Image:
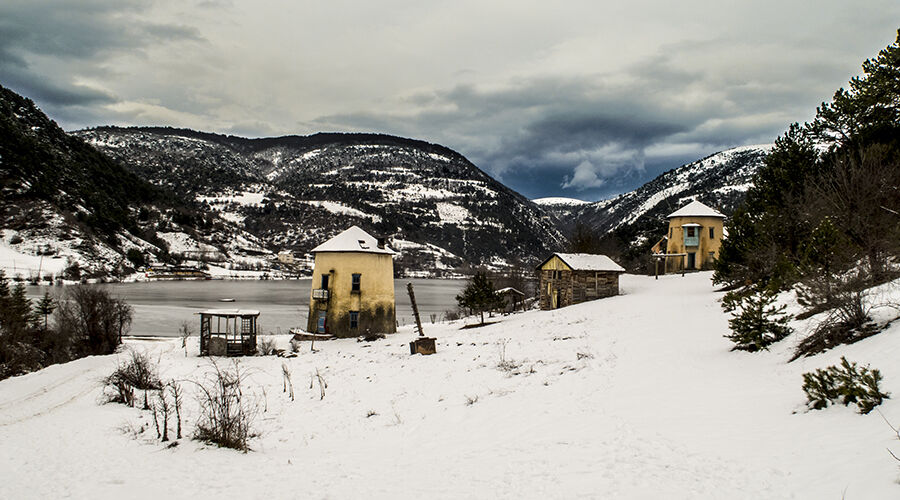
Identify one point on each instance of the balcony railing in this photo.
(320, 293)
(691, 241)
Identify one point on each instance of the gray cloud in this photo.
(63, 35)
(550, 101)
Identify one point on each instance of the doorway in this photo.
(320, 322)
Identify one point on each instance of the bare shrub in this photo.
(322, 384)
(185, 332)
(136, 372)
(452, 315)
(849, 321)
(226, 414)
(265, 346)
(162, 409)
(178, 397)
(506, 364)
(288, 385)
(470, 400)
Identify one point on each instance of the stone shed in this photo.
(572, 278)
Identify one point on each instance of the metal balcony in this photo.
(320, 294)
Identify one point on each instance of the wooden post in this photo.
(422, 345)
(683, 264)
(657, 268)
(415, 308)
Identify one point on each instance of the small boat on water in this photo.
(226, 300)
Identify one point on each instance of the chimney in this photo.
(381, 242)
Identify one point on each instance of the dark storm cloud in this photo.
(83, 33)
(596, 133)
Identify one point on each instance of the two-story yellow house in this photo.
(352, 290)
(695, 236)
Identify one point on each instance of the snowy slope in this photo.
(599, 400)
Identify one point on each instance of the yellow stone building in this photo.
(353, 286)
(694, 238)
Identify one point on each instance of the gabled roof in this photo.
(695, 209)
(587, 262)
(353, 239)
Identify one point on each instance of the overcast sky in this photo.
(570, 98)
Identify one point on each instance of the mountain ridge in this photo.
(422, 194)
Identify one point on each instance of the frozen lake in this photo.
(161, 306)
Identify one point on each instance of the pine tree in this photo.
(479, 295)
(45, 307)
(17, 316)
(759, 324)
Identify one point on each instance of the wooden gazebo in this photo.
(228, 332)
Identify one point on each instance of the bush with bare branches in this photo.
(136, 372)
(226, 412)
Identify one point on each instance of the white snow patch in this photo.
(339, 208)
(453, 214)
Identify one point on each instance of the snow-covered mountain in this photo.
(68, 211)
(637, 219)
(294, 192)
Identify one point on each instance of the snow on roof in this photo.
(510, 289)
(692, 224)
(353, 239)
(589, 262)
(695, 209)
(231, 312)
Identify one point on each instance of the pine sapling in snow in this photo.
(759, 323)
(847, 383)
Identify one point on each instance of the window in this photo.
(354, 287)
(670, 233)
(354, 320)
(712, 233)
(691, 232)
(324, 281)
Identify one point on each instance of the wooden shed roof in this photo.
(587, 262)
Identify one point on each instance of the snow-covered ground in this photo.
(634, 396)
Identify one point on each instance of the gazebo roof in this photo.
(231, 312)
